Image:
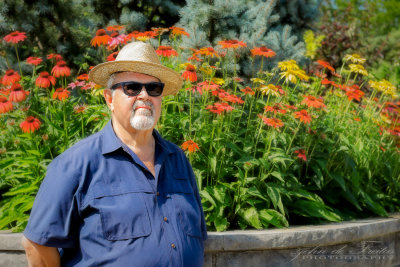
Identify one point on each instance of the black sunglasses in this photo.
(134, 88)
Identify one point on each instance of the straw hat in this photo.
(138, 57)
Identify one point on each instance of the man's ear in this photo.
(107, 93)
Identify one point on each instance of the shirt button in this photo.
(165, 219)
(158, 193)
(172, 245)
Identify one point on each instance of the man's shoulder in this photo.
(82, 150)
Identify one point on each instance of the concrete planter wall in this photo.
(372, 242)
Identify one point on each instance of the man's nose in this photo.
(143, 93)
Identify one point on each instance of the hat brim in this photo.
(172, 80)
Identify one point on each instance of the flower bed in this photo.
(275, 148)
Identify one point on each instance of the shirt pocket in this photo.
(186, 206)
(123, 216)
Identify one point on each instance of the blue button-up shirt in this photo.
(101, 206)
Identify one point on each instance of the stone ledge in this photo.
(302, 236)
(292, 237)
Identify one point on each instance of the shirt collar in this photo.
(112, 143)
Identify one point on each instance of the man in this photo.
(123, 196)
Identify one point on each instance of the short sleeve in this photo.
(54, 217)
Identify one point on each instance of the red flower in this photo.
(273, 122)
(57, 57)
(291, 107)
(61, 69)
(101, 38)
(15, 37)
(301, 154)
(190, 145)
(142, 36)
(10, 77)
(218, 108)
(166, 51)
(80, 108)
(34, 60)
(326, 65)
(326, 82)
(30, 125)
(232, 44)
(83, 77)
(207, 51)
(5, 105)
(303, 116)
(177, 31)
(115, 28)
(354, 94)
(262, 51)
(190, 73)
(312, 101)
(17, 93)
(44, 80)
(247, 91)
(112, 56)
(61, 94)
(277, 108)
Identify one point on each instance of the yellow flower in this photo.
(354, 58)
(357, 68)
(206, 70)
(384, 86)
(218, 81)
(269, 89)
(97, 92)
(385, 119)
(293, 75)
(257, 80)
(288, 65)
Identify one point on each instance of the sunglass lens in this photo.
(133, 89)
(155, 89)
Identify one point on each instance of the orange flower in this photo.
(190, 145)
(101, 38)
(190, 73)
(113, 28)
(218, 108)
(301, 154)
(17, 93)
(290, 107)
(61, 69)
(166, 51)
(247, 91)
(80, 108)
(207, 51)
(142, 36)
(112, 56)
(5, 105)
(10, 77)
(262, 51)
(30, 125)
(277, 108)
(15, 37)
(57, 57)
(354, 94)
(326, 65)
(232, 44)
(61, 94)
(83, 77)
(44, 80)
(273, 122)
(312, 101)
(303, 116)
(159, 31)
(177, 31)
(34, 60)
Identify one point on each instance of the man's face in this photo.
(139, 112)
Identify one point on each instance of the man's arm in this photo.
(40, 256)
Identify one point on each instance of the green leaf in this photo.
(254, 192)
(275, 197)
(316, 209)
(213, 163)
(34, 152)
(205, 195)
(339, 179)
(373, 205)
(22, 189)
(221, 224)
(250, 215)
(269, 216)
(278, 175)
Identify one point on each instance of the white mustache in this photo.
(143, 103)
